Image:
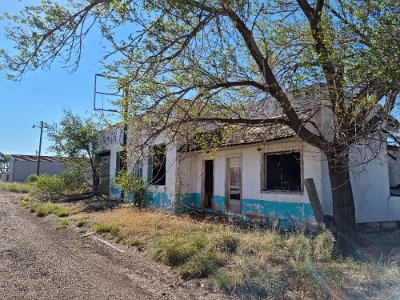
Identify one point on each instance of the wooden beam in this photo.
(314, 200)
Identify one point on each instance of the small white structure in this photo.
(21, 166)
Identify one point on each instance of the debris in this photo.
(87, 234)
(108, 244)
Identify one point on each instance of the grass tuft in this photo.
(62, 224)
(175, 250)
(203, 264)
(82, 222)
(103, 228)
(15, 187)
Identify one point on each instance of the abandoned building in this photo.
(21, 166)
(259, 172)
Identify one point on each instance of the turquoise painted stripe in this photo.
(219, 203)
(275, 210)
(160, 200)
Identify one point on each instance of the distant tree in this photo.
(76, 138)
(191, 62)
(4, 160)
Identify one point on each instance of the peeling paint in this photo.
(115, 192)
(299, 212)
(219, 203)
(161, 200)
(187, 202)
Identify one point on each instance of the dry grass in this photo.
(256, 264)
(147, 224)
(251, 264)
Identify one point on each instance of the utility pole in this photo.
(40, 146)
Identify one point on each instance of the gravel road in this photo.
(39, 262)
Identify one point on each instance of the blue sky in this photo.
(42, 95)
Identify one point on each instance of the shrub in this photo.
(32, 178)
(134, 187)
(48, 187)
(74, 171)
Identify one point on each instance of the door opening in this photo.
(234, 185)
(208, 183)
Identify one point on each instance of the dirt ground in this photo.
(39, 262)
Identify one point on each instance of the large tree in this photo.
(199, 61)
(76, 139)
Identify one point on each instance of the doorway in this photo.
(234, 184)
(208, 183)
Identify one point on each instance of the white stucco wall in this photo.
(394, 168)
(252, 164)
(371, 187)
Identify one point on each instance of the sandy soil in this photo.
(39, 262)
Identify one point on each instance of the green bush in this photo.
(32, 178)
(134, 187)
(48, 187)
(74, 171)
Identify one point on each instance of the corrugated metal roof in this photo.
(22, 157)
(232, 135)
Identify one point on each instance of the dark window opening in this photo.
(282, 172)
(209, 183)
(158, 165)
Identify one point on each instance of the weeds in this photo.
(253, 264)
(15, 187)
(82, 222)
(103, 228)
(42, 209)
(62, 224)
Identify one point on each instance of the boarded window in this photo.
(282, 172)
(157, 165)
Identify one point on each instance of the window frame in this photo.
(151, 166)
(263, 171)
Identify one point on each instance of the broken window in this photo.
(157, 165)
(282, 171)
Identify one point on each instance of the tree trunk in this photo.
(96, 182)
(342, 193)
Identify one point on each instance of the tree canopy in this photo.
(204, 61)
(76, 138)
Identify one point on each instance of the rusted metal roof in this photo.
(21, 157)
(233, 135)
